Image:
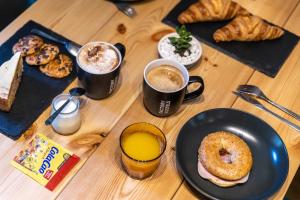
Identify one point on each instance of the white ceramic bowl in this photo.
(166, 50)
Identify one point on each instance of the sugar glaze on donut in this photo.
(225, 156)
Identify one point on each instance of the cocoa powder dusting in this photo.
(94, 51)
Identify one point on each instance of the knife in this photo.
(253, 101)
(71, 47)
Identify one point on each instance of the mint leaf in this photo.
(181, 44)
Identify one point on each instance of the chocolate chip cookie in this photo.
(59, 67)
(28, 45)
(46, 53)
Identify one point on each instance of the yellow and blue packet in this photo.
(45, 161)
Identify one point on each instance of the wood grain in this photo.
(110, 181)
(275, 11)
(293, 24)
(102, 176)
(53, 15)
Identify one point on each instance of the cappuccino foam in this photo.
(165, 78)
(98, 58)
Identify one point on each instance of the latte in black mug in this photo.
(99, 65)
(165, 87)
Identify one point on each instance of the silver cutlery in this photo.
(253, 101)
(125, 7)
(255, 91)
(71, 47)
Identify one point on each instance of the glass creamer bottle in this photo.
(69, 120)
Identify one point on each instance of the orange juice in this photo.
(141, 146)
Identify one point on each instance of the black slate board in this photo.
(265, 56)
(36, 90)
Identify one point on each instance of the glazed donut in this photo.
(225, 155)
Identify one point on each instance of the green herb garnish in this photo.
(181, 44)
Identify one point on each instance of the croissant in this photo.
(247, 28)
(211, 10)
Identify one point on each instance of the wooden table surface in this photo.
(99, 174)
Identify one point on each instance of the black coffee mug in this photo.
(163, 104)
(100, 86)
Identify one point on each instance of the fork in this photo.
(253, 101)
(255, 91)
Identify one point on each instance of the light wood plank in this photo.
(85, 20)
(8, 147)
(110, 181)
(110, 172)
(54, 15)
(293, 23)
(275, 11)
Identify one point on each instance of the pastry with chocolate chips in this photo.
(28, 45)
(60, 67)
(46, 53)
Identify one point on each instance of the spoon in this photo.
(71, 47)
(74, 92)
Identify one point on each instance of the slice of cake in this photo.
(10, 77)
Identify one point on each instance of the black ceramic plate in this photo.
(270, 158)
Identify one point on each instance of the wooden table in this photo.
(99, 174)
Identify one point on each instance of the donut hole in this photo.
(225, 156)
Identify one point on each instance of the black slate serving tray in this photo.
(36, 90)
(265, 56)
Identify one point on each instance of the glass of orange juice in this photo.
(142, 146)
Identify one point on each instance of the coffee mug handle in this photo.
(121, 48)
(196, 93)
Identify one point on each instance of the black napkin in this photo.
(264, 56)
(36, 90)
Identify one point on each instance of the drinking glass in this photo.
(141, 168)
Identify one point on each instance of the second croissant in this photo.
(247, 28)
